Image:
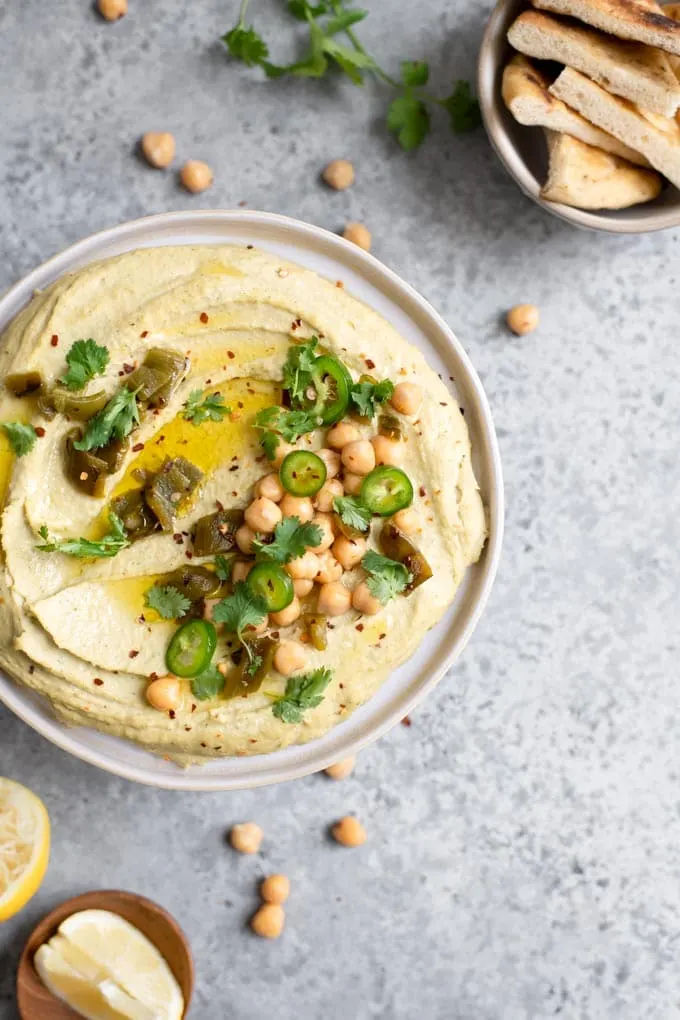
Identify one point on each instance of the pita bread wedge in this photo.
(588, 178)
(637, 72)
(640, 20)
(526, 94)
(657, 138)
(673, 11)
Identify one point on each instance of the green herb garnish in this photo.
(302, 692)
(240, 610)
(298, 368)
(224, 566)
(386, 577)
(115, 421)
(207, 684)
(291, 539)
(84, 548)
(277, 423)
(367, 397)
(21, 437)
(167, 601)
(352, 512)
(85, 360)
(212, 408)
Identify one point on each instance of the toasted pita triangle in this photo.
(641, 20)
(586, 177)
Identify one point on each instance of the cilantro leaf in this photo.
(242, 609)
(353, 62)
(367, 397)
(208, 684)
(290, 425)
(167, 601)
(344, 20)
(85, 548)
(244, 43)
(212, 408)
(254, 664)
(85, 360)
(462, 108)
(409, 119)
(300, 9)
(269, 442)
(386, 577)
(414, 72)
(302, 692)
(352, 512)
(291, 539)
(224, 566)
(298, 368)
(21, 437)
(115, 421)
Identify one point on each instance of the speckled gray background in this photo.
(524, 832)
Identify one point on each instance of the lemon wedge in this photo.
(24, 846)
(104, 968)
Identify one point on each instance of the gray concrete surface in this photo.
(524, 831)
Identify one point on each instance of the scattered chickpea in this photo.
(349, 831)
(268, 921)
(329, 492)
(305, 567)
(334, 599)
(364, 602)
(348, 551)
(263, 514)
(165, 694)
(302, 587)
(388, 451)
(244, 539)
(358, 234)
(297, 506)
(331, 459)
(325, 523)
(523, 319)
(289, 657)
(358, 457)
(112, 10)
(339, 174)
(196, 176)
(342, 434)
(270, 487)
(275, 889)
(240, 572)
(286, 616)
(246, 837)
(352, 483)
(158, 148)
(407, 398)
(341, 769)
(328, 569)
(407, 520)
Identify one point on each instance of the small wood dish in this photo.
(35, 1002)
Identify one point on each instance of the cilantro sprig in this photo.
(198, 410)
(85, 360)
(409, 116)
(85, 548)
(224, 566)
(241, 610)
(291, 539)
(208, 684)
(21, 437)
(276, 423)
(368, 397)
(302, 692)
(168, 602)
(386, 577)
(298, 368)
(352, 512)
(115, 421)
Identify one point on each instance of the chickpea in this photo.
(263, 514)
(342, 434)
(286, 616)
(523, 319)
(240, 572)
(387, 451)
(358, 457)
(258, 628)
(352, 483)
(326, 496)
(325, 523)
(112, 10)
(289, 657)
(196, 176)
(407, 520)
(349, 831)
(297, 506)
(331, 459)
(348, 551)
(407, 397)
(305, 567)
(334, 599)
(275, 889)
(246, 837)
(282, 450)
(364, 602)
(165, 694)
(268, 921)
(339, 174)
(270, 487)
(158, 148)
(341, 769)
(302, 587)
(358, 234)
(328, 568)
(244, 539)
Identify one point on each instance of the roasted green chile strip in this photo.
(216, 533)
(398, 547)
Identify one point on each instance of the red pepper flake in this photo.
(442, 403)
(422, 490)
(40, 432)
(381, 636)
(145, 334)
(177, 538)
(252, 740)
(153, 676)
(203, 317)
(142, 618)
(462, 411)
(55, 340)
(359, 626)
(234, 467)
(133, 653)
(98, 681)
(258, 460)
(234, 492)
(193, 707)
(189, 555)
(406, 721)
(340, 284)
(203, 745)
(188, 729)
(230, 354)
(172, 713)
(218, 748)
(331, 626)
(128, 369)
(239, 403)
(341, 686)
(370, 363)
(276, 635)
(137, 447)
(250, 247)
(294, 326)
(121, 372)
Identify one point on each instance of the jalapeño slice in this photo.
(191, 648)
(385, 490)
(302, 473)
(273, 584)
(330, 390)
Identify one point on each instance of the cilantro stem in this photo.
(242, 13)
(358, 46)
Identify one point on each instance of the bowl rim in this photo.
(370, 268)
(488, 69)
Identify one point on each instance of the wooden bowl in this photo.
(35, 1002)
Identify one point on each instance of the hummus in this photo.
(77, 630)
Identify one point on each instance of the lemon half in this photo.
(24, 846)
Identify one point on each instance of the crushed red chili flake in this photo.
(203, 745)
(252, 740)
(462, 411)
(178, 538)
(234, 467)
(239, 403)
(219, 747)
(359, 626)
(340, 284)
(193, 707)
(208, 382)
(422, 490)
(189, 555)
(98, 681)
(133, 653)
(250, 247)
(31, 669)
(203, 317)
(145, 334)
(128, 369)
(121, 372)
(153, 676)
(406, 721)
(276, 635)
(172, 713)
(258, 460)
(142, 618)
(331, 626)
(230, 354)
(55, 340)
(40, 432)
(188, 729)
(293, 326)
(370, 363)
(341, 686)
(442, 403)
(137, 447)
(234, 492)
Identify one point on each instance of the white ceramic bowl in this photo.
(522, 150)
(369, 280)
